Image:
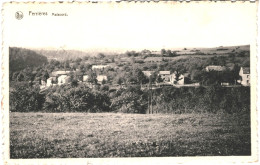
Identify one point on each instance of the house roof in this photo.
(99, 66)
(148, 73)
(51, 78)
(215, 68)
(246, 70)
(165, 72)
(63, 77)
(60, 72)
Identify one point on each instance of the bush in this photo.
(68, 98)
(129, 100)
(24, 97)
(211, 99)
(79, 99)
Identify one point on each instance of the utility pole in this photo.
(150, 96)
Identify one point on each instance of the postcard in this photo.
(129, 82)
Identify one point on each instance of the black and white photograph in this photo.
(130, 80)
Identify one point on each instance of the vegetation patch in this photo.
(136, 136)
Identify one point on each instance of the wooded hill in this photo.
(20, 58)
(66, 54)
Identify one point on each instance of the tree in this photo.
(139, 75)
(25, 98)
(66, 65)
(103, 81)
(78, 60)
(177, 77)
(169, 53)
(45, 76)
(118, 80)
(163, 51)
(92, 77)
(20, 77)
(129, 100)
(159, 79)
(74, 83)
(85, 58)
(153, 77)
(100, 56)
(15, 76)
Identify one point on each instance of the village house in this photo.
(165, 75)
(60, 72)
(63, 79)
(181, 79)
(85, 78)
(99, 66)
(215, 68)
(51, 81)
(43, 84)
(101, 78)
(245, 76)
(148, 73)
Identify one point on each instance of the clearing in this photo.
(83, 135)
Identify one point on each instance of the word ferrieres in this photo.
(46, 14)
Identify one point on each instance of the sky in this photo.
(131, 26)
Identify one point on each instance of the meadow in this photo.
(85, 135)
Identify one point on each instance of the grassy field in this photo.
(83, 135)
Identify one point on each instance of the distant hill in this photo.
(217, 50)
(20, 58)
(61, 54)
(65, 54)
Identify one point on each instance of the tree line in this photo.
(68, 98)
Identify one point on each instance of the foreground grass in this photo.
(60, 135)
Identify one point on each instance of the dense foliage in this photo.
(67, 98)
(80, 99)
(203, 99)
(25, 98)
(20, 59)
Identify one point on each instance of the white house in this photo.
(215, 68)
(43, 83)
(99, 66)
(50, 81)
(100, 78)
(63, 79)
(245, 76)
(174, 81)
(165, 75)
(148, 73)
(85, 78)
(60, 72)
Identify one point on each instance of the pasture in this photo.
(85, 135)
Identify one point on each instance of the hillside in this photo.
(61, 54)
(65, 54)
(221, 50)
(20, 58)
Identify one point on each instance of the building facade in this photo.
(245, 76)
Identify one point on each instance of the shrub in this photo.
(25, 98)
(80, 99)
(211, 99)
